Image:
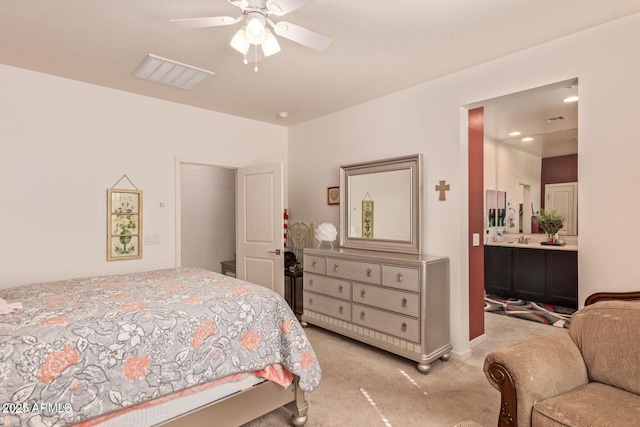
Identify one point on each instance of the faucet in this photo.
(521, 239)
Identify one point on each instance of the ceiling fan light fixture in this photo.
(256, 30)
(570, 99)
(239, 41)
(270, 45)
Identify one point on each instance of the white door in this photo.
(260, 229)
(563, 198)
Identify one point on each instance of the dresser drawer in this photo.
(326, 305)
(389, 299)
(354, 270)
(337, 288)
(389, 323)
(315, 264)
(406, 278)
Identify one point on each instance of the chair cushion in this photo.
(592, 404)
(607, 335)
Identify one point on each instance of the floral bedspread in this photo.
(85, 347)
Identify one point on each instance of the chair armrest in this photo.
(602, 296)
(531, 371)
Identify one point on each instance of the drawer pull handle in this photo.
(335, 267)
(340, 288)
(340, 309)
(311, 282)
(362, 315)
(369, 272)
(404, 302)
(362, 292)
(313, 264)
(399, 277)
(404, 326)
(310, 301)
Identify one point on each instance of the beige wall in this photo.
(63, 143)
(430, 118)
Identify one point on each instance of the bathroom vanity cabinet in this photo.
(536, 274)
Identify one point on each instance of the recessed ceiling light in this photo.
(571, 99)
(515, 133)
(283, 115)
(527, 139)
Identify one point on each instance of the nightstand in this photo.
(228, 268)
(295, 291)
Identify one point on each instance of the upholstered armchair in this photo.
(586, 376)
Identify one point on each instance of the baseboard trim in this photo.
(478, 340)
(461, 356)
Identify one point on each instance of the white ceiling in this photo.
(527, 112)
(379, 47)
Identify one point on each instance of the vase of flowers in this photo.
(550, 222)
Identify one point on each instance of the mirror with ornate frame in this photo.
(381, 205)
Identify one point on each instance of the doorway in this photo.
(208, 216)
(231, 213)
(520, 130)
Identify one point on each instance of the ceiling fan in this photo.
(256, 16)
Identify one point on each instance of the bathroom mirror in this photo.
(381, 205)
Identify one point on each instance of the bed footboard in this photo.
(246, 406)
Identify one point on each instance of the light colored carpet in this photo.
(364, 386)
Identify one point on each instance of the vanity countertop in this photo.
(513, 243)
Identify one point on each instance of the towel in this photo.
(9, 307)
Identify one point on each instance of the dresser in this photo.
(393, 301)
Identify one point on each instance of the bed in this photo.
(174, 347)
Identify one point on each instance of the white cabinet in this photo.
(396, 302)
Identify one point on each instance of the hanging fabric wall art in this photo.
(124, 223)
(367, 217)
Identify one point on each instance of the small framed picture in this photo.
(333, 195)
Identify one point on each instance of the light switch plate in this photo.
(152, 239)
(476, 239)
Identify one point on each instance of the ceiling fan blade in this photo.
(301, 35)
(242, 4)
(282, 7)
(213, 21)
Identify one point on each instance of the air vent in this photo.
(555, 119)
(171, 73)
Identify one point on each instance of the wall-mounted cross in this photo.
(442, 187)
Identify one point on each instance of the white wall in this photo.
(63, 143)
(505, 168)
(207, 215)
(430, 118)
(515, 166)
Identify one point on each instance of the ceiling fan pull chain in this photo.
(256, 57)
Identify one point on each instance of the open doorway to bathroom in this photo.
(530, 141)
